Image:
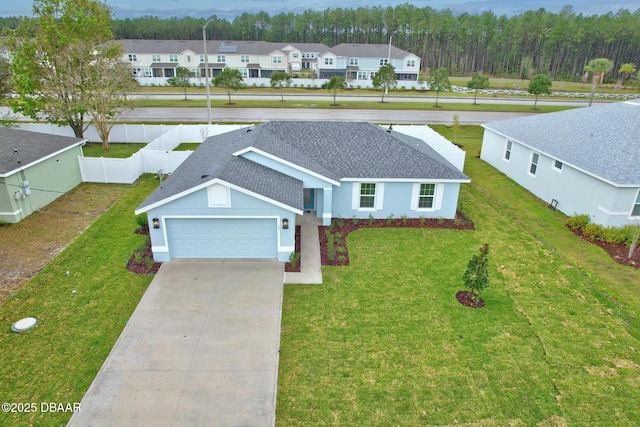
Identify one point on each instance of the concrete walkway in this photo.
(201, 349)
(310, 268)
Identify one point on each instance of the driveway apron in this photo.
(201, 349)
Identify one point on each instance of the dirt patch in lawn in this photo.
(333, 246)
(28, 246)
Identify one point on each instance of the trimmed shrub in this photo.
(577, 222)
(592, 231)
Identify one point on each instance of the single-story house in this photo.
(35, 169)
(581, 161)
(238, 194)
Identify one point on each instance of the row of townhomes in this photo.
(153, 61)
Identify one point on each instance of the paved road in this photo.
(267, 114)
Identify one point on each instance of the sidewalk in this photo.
(310, 269)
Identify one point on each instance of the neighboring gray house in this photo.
(586, 160)
(238, 194)
(35, 169)
(359, 61)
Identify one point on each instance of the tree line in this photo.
(557, 44)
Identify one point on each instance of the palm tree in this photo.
(597, 68)
(626, 70)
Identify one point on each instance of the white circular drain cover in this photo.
(24, 324)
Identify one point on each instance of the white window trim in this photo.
(507, 149)
(378, 197)
(214, 199)
(555, 168)
(437, 197)
(633, 204)
(531, 163)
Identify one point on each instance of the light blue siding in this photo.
(396, 201)
(243, 207)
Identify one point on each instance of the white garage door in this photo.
(222, 238)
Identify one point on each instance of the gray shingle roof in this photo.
(214, 47)
(335, 150)
(31, 146)
(602, 140)
(214, 159)
(368, 50)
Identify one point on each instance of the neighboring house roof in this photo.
(363, 50)
(33, 147)
(334, 150)
(214, 47)
(602, 140)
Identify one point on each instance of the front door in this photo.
(309, 199)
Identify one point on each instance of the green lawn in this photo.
(484, 104)
(116, 150)
(187, 146)
(384, 342)
(80, 316)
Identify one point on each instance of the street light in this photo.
(386, 89)
(206, 71)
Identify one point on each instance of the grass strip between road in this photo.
(352, 105)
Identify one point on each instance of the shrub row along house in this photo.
(153, 61)
(581, 161)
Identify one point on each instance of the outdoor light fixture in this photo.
(285, 223)
(156, 223)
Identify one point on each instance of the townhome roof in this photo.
(335, 150)
(602, 140)
(214, 47)
(368, 50)
(31, 147)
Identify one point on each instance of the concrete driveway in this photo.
(201, 349)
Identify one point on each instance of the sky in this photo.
(229, 9)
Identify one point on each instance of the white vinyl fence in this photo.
(157, 155)
(436, 141)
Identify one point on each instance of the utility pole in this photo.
(206, 71)
(386, 89)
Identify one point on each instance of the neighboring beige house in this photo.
(153, 61)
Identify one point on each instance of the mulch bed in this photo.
(288, 267)
(465, 298)
(140, 261)
(341, 228)
(619, 253)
